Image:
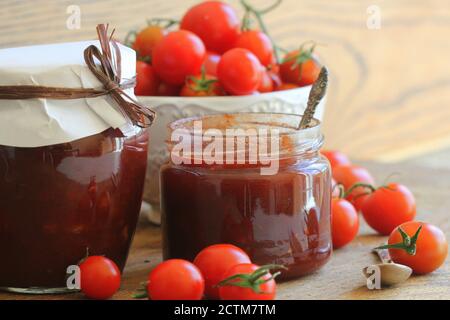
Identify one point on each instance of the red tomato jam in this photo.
(283, 218)
(60, 202)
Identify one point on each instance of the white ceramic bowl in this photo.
(169, 109)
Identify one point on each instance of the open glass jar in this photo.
(282, 217)
(60, 202)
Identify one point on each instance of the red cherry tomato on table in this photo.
(299, 70)
(211, 61)
(336, 158)
(258, 43)
(99, 277)
(175, 279)
(431, 247)
(146, 80)
(178, 55)
(267, 290)
(388, 207)
(239, 71)
(214, 261)
(344, 222)
(348, 175)
(146, 40)
(215, 22)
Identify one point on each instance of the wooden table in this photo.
(341, 278)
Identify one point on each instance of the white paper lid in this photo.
(42, 122)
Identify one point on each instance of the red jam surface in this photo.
(58, 202)
(271, 217)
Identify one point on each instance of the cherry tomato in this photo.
(267, 290)
(168, 90)
(178, 55)
(202, 86)
(348, 175)
(258, 43)
(146, 80)
(214, 261)
(266, 84)
(99, 277)
(239, 71)
(388, 207)
(146, 40)
(430, 250)
(287, 86)
(215, 22)
(344, 222)
(211, 61)
(336, 158)
(175, 279)
(299, 68)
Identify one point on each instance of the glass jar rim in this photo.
(291, 140)
(314, 126)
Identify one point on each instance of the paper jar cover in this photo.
(43, 122)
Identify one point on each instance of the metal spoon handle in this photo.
(316, 94)
(384, 255)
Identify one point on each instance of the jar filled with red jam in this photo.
(61, 202)
(72, 167)
(278, 216)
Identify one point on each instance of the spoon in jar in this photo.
(316, 94)
(390, 273)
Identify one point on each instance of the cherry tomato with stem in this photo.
(336, 158)
(99, 277)
(300, 67)
(348, 176)
(146, 41)
(214, 261)
(210, 64)
(258, 43)
(249, 282)
(215, 22)
(178, 55)
(388, 206)
(201, 86)
(344, 221)
(175, 279)
(418, 245)
(146, 80)
(239, 72)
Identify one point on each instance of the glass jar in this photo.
(281, 218)
(60, 202)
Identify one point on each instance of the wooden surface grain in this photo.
(389, 92)
(341, 278)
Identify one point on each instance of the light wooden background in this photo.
(390, 93)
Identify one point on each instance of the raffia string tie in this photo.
(107, 71)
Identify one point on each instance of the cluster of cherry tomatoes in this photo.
(389, 210)
(220, 271)
(213, 53)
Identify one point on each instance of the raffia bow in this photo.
(108, 72)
